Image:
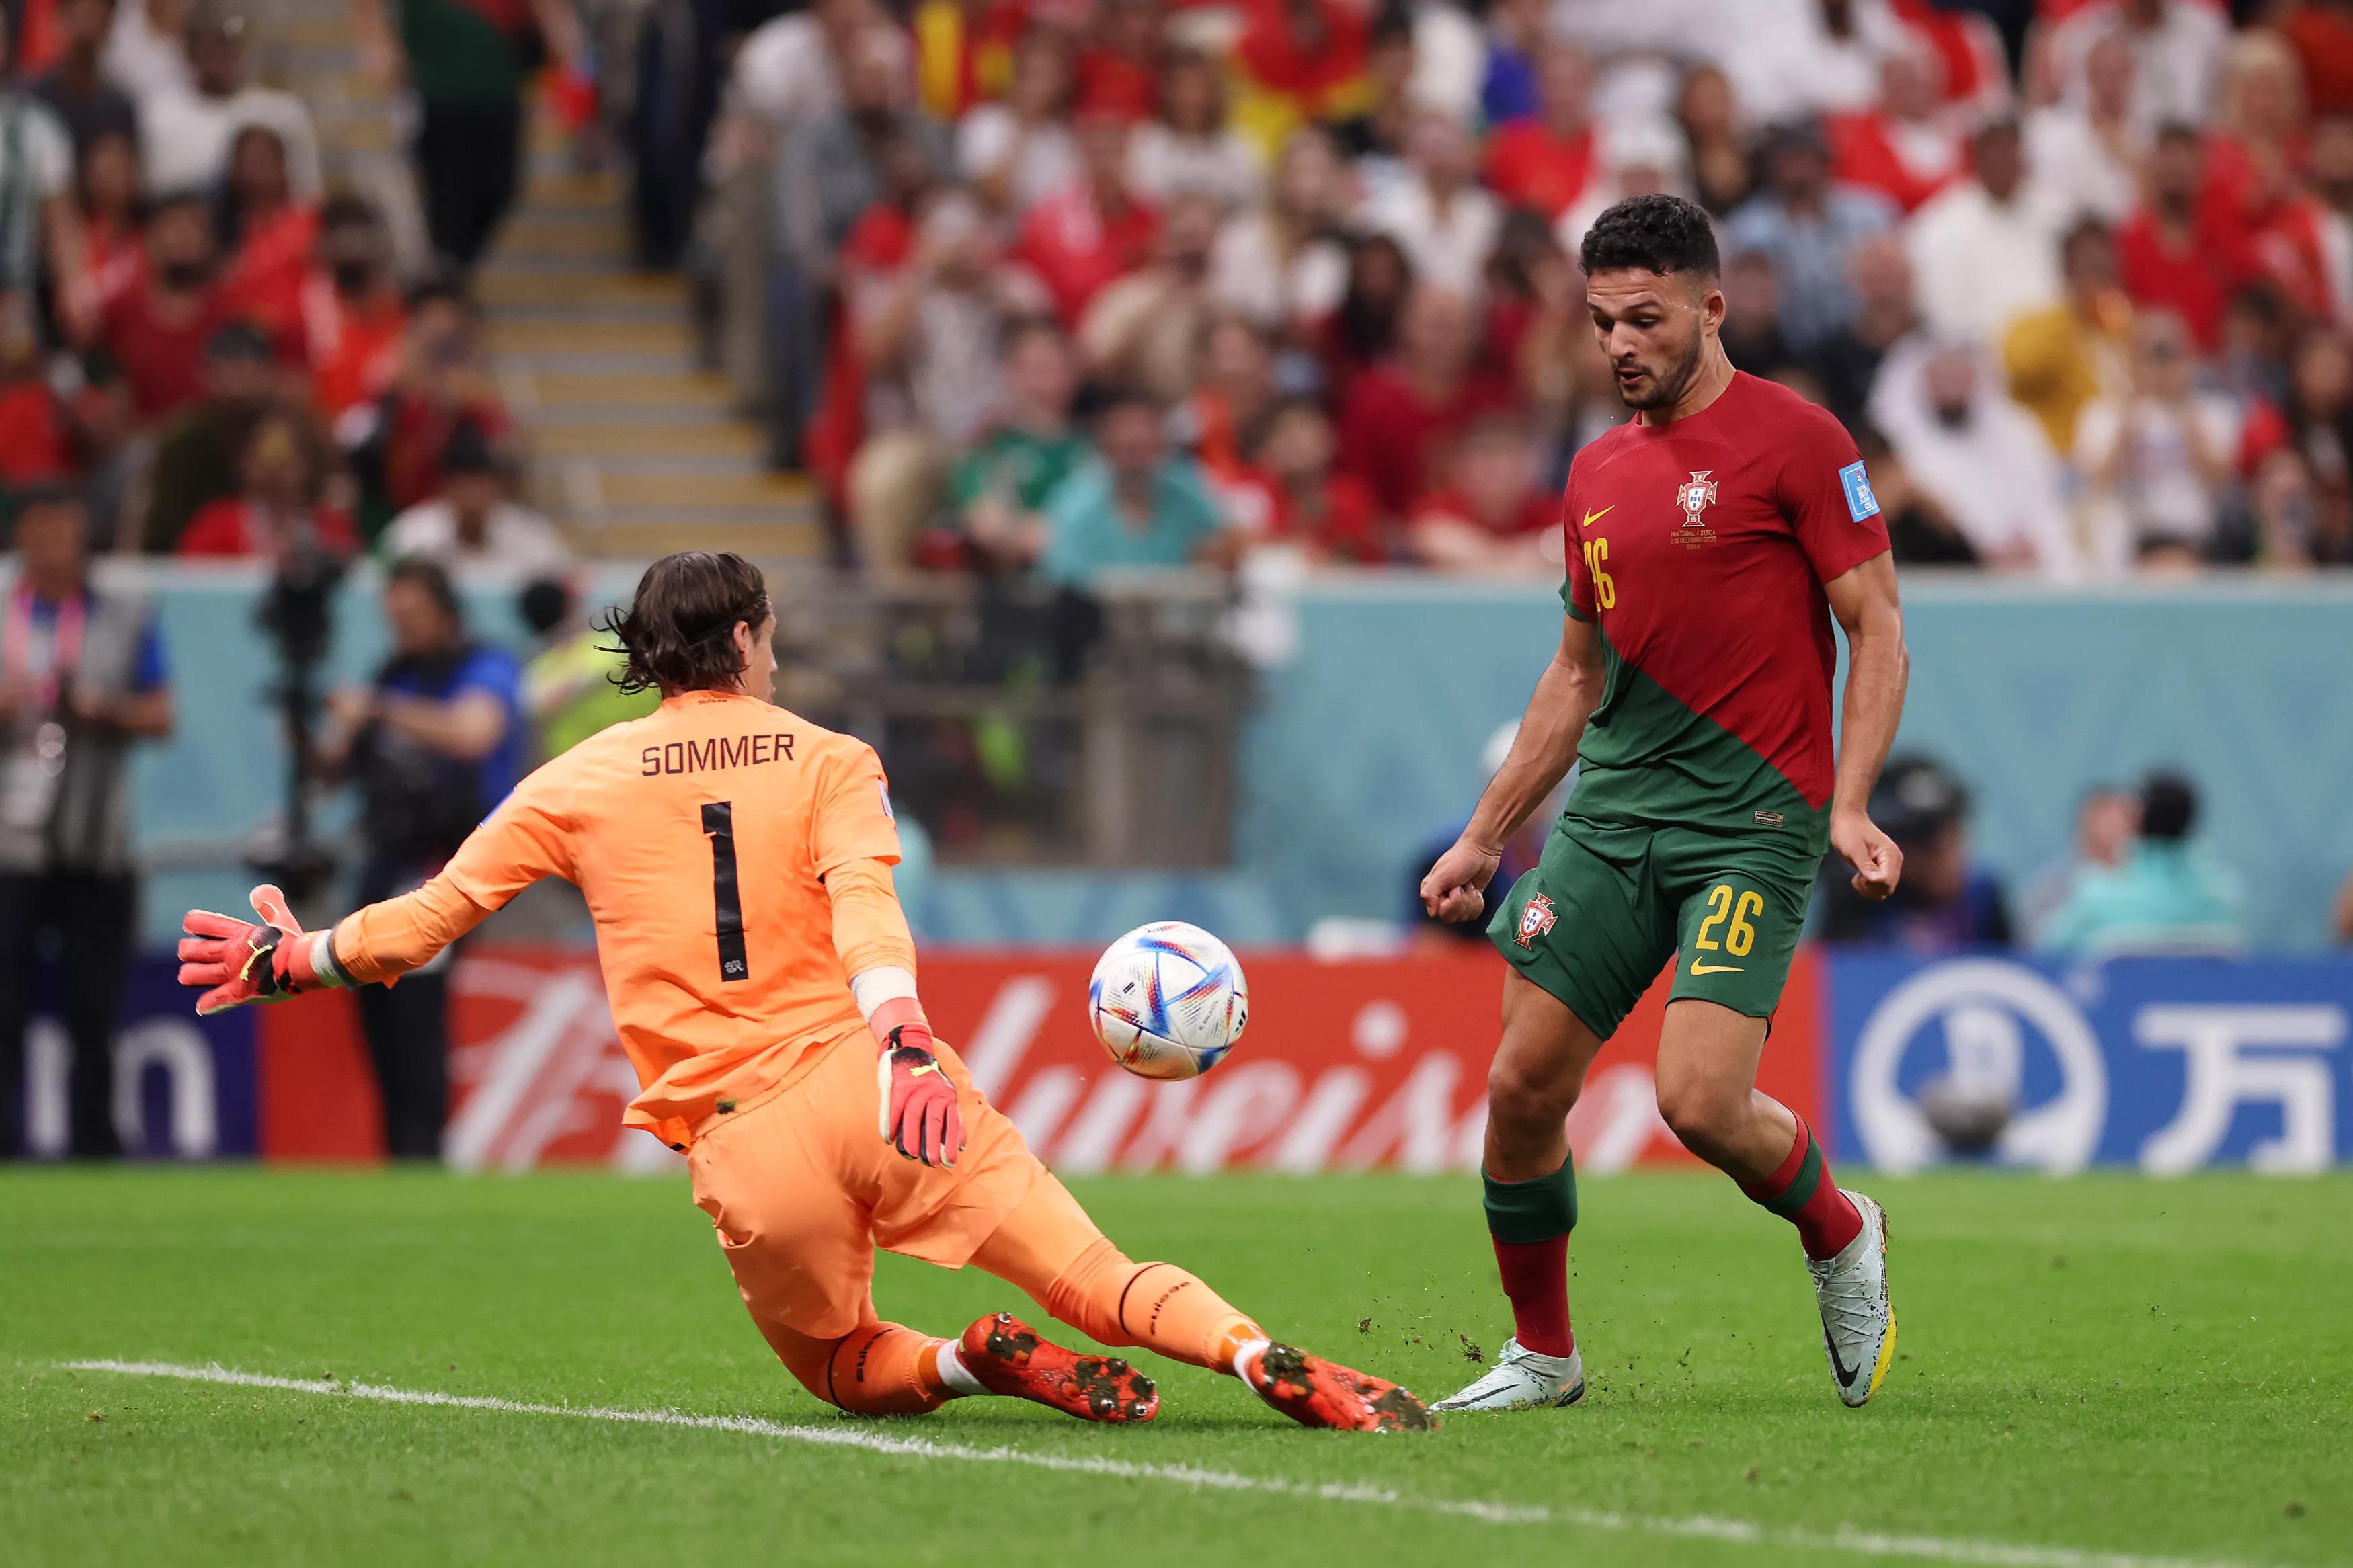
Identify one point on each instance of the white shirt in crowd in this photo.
(1994, 474)
(1162, 163)
(513, 536)
(1045, 160)
(1978, 263)
(2157, 492)
(145, 61)
(184, 137)
(2080, 173)
(2175, 63)
(1450, 61)
(1784, 62)
(49, 147)
(1246, 273)
(786, 73)
(1450, 252)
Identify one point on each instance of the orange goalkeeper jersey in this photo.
(701, 836)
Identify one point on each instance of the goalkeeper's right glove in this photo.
(241, 962)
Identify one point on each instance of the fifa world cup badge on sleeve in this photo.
(1860, 503)
(1535, 919)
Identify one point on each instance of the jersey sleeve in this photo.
(1576, 588)
(853, 819)
(1827, 496)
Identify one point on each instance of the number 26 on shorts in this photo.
(1740, 936)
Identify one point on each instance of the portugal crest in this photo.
(1696, 494)
(1535, 919)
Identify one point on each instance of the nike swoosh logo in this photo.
(1838, 1363)
(1591, 516)
(1699, 968)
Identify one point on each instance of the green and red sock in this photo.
(1803, 1192)
(1529, 1223)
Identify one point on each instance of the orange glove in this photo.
(241, 962)
(920, 1117)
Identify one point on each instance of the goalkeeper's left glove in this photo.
(241, 962)
(920, 1117)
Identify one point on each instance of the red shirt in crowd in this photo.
(1529, 166)
(1076, 248)
(355, 353)
(162, 352)
(36, 441)
(1537, 513)
(1862, 152)
(1342, 517)
(417, 433)
(1394, 439)
(231, 527)
(263, 281)
(1320, 77)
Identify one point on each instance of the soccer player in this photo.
(737, 861)
(1710, 542)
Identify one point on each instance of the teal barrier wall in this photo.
(1368, 737)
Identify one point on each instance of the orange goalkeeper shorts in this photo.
(802, 1188)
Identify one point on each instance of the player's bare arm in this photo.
(1566, 693)
(1878, 668)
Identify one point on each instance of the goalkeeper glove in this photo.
(920, 1117)
(241, 962)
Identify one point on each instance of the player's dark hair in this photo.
(1652, 232)
(2168, 807)
(676, 635)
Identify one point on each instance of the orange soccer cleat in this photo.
(1009, 1357)
(1318, 1393)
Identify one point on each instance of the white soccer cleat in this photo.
(1523, 1380)
(1858, 1319)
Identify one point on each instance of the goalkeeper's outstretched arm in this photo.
(918, 1115)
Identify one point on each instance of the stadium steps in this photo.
(635, 451)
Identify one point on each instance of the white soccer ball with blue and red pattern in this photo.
(1168, 1001)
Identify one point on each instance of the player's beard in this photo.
(1665, 391)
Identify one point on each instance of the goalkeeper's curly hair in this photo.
(677, 634)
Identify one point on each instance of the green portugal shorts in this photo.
(1609, 903)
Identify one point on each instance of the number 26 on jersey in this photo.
(1597, 566)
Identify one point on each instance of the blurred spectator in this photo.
(2106, 820)
(1986, 250)
(2166, 897)
(75, 88)
(114, 454)
(395, 441)
(1947, 903)
(160, 330)
(39, 231)
(1519, 852)
(185, 134)
(789, 71)
(2162, 254)
(1751, 333)
(1284, 262)
(83, 680)
(1001, 487)
(2176, 45)
(2321, 33)
(1187, 149)
(2088, 154)
(106, 198)
(352, 312)
(1811, 56)
(1300, 62)
(2062, 356)
(1373, 138)
(463, 65)
(276, 511)
(2318, 432)
(1398, 420)
(1122, 46)
(1234, 396)
(475, 521)
(1721, 165)
(1517, 31)
(1492, 516)
(266, 236)
(1093, 231)
(1436, 210)
(1146, 328)
(927, 339)
(198, 453)
(1018, 152)
(146, 54)
(2155, 460)
(1636, 158)
(435, 741)
(1330, 515)
(1919, 531)
(1542, 161)
(37, 435)
(1136, 504)
(1363, 333)
(1807, 226)
(1979, 457)
(1847, 362)
(1904, 144)
(568, 684)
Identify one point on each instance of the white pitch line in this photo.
(1738, 1531)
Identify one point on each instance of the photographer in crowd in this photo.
(432, 745)
(82, 680)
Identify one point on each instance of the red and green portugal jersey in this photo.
(1700, 548)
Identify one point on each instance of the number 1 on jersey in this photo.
(727, 900)
(1597, 559)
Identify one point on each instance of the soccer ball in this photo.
(1167, 1001)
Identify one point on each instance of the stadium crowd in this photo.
(1051, 285)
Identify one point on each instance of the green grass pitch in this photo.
(2102, 1372)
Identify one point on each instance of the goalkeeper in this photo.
(737, 861)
